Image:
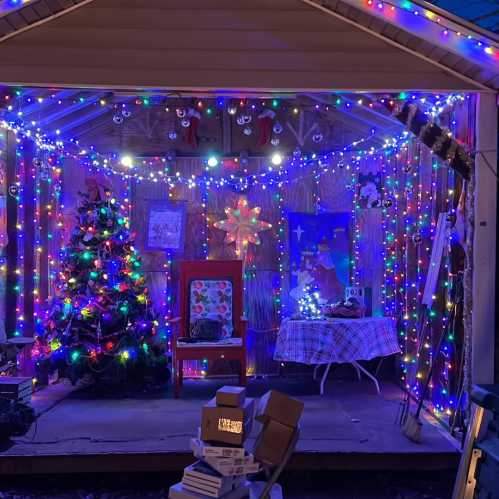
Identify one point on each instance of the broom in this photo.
(412, 425)
(406, 403)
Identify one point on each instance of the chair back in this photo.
(211, 289)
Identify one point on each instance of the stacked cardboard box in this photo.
(15, 388)
(280, 416)
(223, 463)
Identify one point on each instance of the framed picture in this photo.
(370, 185)
(319, 254)
(165, 226)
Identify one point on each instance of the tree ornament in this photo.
(181, 113)
(244, 119)
(317, 137)
(244, 158)
(172, 135)
(275, 141)
(297, 152)
(232, 110)
(407, 168)
(240, 184)
(417, 238)
(387, 203)
(171, 156)
(13, 190)
(118, 119)
(277, 128)
(247, 131)
(242, 226)
(45, 170)
(185, 122)
(126, 112)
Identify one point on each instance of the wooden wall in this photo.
(3, 228)
(298, 196)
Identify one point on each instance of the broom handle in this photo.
(430, 372)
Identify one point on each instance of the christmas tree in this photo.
(309, 304)
(101, 320)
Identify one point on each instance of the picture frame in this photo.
(165, 227)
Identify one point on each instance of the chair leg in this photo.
(177, 383)
(242, 374)
(176, 389)
(180, 373)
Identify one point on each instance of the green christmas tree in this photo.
(101, 320)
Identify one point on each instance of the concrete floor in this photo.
(350, 423)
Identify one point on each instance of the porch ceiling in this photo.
(285, 45)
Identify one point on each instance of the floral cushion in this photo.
(212, 299)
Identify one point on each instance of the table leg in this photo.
(368, 374)
(358, 371)
(324, 376)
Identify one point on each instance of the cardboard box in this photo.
(273, 442)
(231, 396)
(202, 478)
(16, 388)
(177, 491)
(233, 469)
(229, 425)
(203, 449)
(278, 407)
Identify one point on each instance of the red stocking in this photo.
(192, 130)
(265, 127)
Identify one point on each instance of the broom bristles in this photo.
(412, 428)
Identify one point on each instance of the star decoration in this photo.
(242, 226)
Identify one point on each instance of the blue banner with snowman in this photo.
(319, 254)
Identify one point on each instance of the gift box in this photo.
(278, 407)
(231, 396)
(230, 425)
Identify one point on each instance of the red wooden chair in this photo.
(212, 289)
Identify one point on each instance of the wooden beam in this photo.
(46, 19)
(226, 130)
(29, 236)
(44, 199)
(12, 245)
(484, 242)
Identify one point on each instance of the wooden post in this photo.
(44, 240)
(29, 237)
(11, 248)
(484, 243)
(226, 124)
